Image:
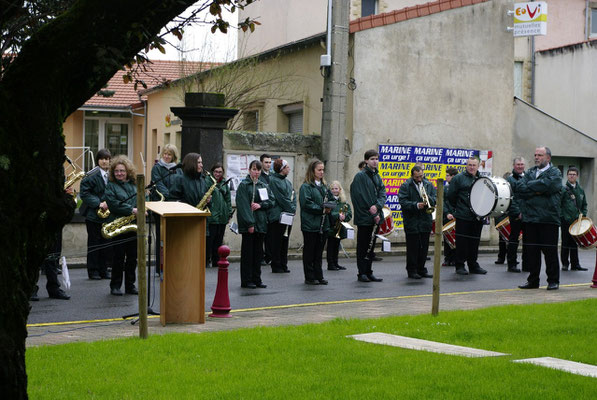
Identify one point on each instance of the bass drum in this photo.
(490, 197)
(387, 223)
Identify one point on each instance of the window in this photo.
(593, 31)
(368, 7)
(251, 120)
(109, 130)
(294, 113)
(518, 79)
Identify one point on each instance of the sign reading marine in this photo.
(530, 19)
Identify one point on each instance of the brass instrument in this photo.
(287, 230)
(73, 178)
(428, 208)
(103, 214)
(203, 202)
(119, 226)
(338, 226)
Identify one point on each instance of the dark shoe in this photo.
(564, 267)
(363, 278)
(478, 271)
(377, 258)
(461, 271)
(529, 286)
(323, 282)
(115, 292)
(286, 271)
(261, 285)
(34, 296)
(428, 258)
(59, 294)
(107, 275)
(514, 269)
(372, 278)
(94, 275)
(131, 290)
(553, 286)
(426, 275)
(308, 282)
(341, 268)
(248, 286)
(278, 271)
(578, 268)
(333, 268)
(414, 275)
(500, 261)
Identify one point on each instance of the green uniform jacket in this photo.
(448, 208)
(312, 198)
(188, 189)
(334, 218)
(415, 220)
(244, 216)
(459, 193)
(116, 193)
(282, 190)
(93, 190)
(220, 205)
(165, 180)
(541, 196)
(366, 190)
(515, 205)
(571, 208)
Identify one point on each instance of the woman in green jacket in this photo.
(220, 208)
(314, 221)
(340, 213)
(122, 202)
(253, 199)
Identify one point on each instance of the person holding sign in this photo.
(281, 215)
(468, 225)
(316, 206)
(253, 199)
(340, 215)
(417, 199)
(368, 195)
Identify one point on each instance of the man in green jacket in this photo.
(540, 192)
(574, 203)
(368, 195)
(417, 221)
(515, 215)
(468, 225)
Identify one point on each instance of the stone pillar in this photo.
(204, 119)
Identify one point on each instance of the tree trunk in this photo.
(61, 66)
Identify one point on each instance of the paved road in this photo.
(91, 300)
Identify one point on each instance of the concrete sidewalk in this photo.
(50, 334)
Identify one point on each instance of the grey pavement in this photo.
(287, 301)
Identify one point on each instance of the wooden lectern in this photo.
(182, 264)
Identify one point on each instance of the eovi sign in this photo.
(530, 19)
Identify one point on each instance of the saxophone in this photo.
(119, 226)
(73, 178)
(203, 202)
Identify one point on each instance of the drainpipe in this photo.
(144, 115)
(533, 70)
(587, 9)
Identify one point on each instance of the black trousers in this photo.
(251, 253)
(124, 261)
(50, 266)
(468, 236)
(516, 226)
(449, 253)
(542, 238)
(267, 247)
(214, 241)
(314, 242)
(417, 246)
(569, 246)
(332, 251)
(99, 252)
(279, 245)
(503, 248)
(363, 239)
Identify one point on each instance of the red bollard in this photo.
(221, 304)
(594, 285)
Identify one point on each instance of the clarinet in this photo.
(325, 200)
(372, 241)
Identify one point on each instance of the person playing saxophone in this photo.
(122, 202)
(341, 213)
(253, 199)
(221, 208)
(285, 202)
(93, 187)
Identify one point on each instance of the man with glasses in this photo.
(574, 203)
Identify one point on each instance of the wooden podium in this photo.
(182, 264)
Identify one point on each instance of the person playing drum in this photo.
(574, 203)
(468, 225)
(503, 242)
(417, 221)
(368, 195)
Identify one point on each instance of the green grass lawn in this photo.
(319, 361)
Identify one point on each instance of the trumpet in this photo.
(338, 226)
(428, 208)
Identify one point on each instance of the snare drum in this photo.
(584, 233)
(449, 233)
(387, 224)
(490, 197)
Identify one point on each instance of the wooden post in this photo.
(142, 270)
(438, 240)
